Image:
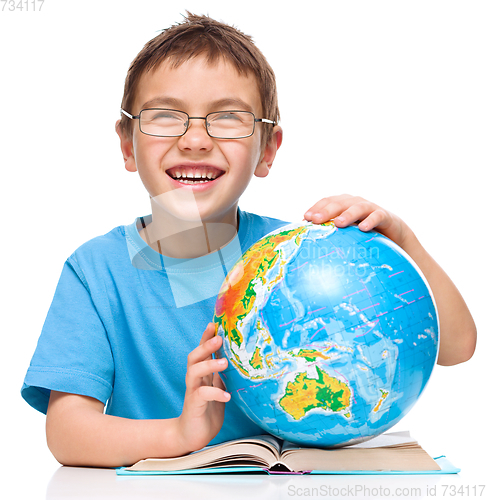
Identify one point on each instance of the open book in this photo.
(387, 452)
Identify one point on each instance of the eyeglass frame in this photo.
(256, 120)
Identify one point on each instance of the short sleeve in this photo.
(73, 353)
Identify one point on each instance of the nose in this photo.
(196, 137)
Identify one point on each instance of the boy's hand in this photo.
(346, 209)
(205, 398)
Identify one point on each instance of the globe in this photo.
(331, 334)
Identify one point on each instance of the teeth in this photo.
(186, 181)
(204, 175)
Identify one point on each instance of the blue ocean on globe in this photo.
(331, 334)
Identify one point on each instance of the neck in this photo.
(178, 238)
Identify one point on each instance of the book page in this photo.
(389, 439)
(392, 451)
(259, 451)
(402, 458)
(381, 441)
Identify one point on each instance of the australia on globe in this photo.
(331, 333)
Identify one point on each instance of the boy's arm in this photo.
(458, 334)
(80, 434)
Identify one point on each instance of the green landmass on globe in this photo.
(306, 393)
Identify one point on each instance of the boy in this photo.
(199, 119)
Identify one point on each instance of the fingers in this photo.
(208, 333)
(209, 393)
(200, 376)
(205, 368)
(201, 365)
(209, 344)
(369, 214)
(329, 208)
(202, 370)
(346, 209)
(216, 393)
(377, 219)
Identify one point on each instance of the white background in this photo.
(383, 99)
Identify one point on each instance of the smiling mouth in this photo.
(194, 175)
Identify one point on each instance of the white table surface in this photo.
(36, 475)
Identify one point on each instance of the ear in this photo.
(127, 148)
(269, 153)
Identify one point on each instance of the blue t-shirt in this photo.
(124, 319)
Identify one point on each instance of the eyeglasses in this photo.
(219, 124)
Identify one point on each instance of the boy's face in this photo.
(198, 89)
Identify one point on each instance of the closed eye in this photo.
(226, 116)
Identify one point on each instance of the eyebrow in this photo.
(229, 102)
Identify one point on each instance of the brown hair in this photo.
(201, 35)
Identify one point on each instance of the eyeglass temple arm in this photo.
(128, 115)
(265, 120)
